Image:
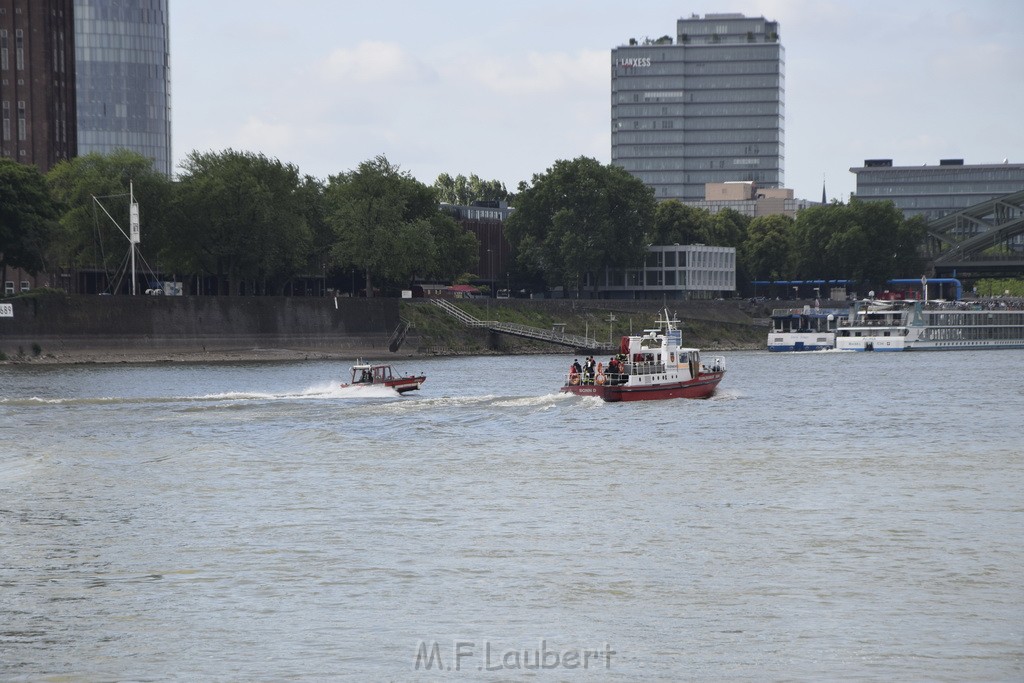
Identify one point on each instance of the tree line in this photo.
(240, 217)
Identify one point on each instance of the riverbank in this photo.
(62, 330)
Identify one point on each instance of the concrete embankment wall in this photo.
(56, 324)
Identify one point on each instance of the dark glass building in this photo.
(707, 107)
(37, 81)
(124, 85)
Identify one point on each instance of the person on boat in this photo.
(588, 370)
(574, 371)
(613, 370)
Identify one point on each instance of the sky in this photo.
(503, 90)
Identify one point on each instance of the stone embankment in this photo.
(56, 328)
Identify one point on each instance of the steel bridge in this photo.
(957, 243)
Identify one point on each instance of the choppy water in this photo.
(825, 516)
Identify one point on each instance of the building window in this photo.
(4, 64)
(21, 119)
(9, 287)
(19, 49)
(7, 121)
(24, 286)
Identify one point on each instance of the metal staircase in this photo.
(574, 341)
(398, 336)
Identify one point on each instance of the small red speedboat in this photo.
(366, 374)
(650, 366)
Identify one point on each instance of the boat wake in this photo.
(327, 390)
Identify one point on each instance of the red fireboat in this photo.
(649, 367)
(365, 374)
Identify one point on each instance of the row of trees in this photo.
(243, 217)
(234, 216)
(580, 217)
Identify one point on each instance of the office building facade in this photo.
(706, 108)
(123, 81)
(692, 271)
(934, 191)
(37, 82)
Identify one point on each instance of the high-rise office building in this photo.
(936, 190)
(706, 108)
(37, 81)
(124, 86)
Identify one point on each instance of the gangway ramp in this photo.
(560, 338)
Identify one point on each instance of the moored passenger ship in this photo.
(932, 326)
(805, 329)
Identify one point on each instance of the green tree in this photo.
(382, 217)
(312, 198)
(579, 217)
(766, 250)
(456, 248)
(88, 186)
(727, 228)
(241, 216)
(678, 223)
(28, 217)
(863, 240)
(463, 191)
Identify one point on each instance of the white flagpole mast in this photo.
(133, 212)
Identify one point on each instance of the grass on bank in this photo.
(440, 332)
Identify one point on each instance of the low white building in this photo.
(692, 271)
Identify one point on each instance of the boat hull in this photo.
(404, 384)
(702, 387)
(801, 342)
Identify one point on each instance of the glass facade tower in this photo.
(706, 108)
(123, 62)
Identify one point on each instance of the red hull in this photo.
(702, 387)
(404, 384)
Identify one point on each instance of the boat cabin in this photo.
(371, 374)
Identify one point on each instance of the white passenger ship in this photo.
(805, 329)
(933, 326)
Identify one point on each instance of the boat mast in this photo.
(133, 221)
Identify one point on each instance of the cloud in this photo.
(271, 138)
(538, 73)
(373, 62)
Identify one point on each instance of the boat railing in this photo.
(610, 378)
(645, 368)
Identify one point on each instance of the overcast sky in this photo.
(504, 90)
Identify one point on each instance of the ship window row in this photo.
(989, 332)
(976, 318)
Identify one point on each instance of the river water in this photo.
(825, 516)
